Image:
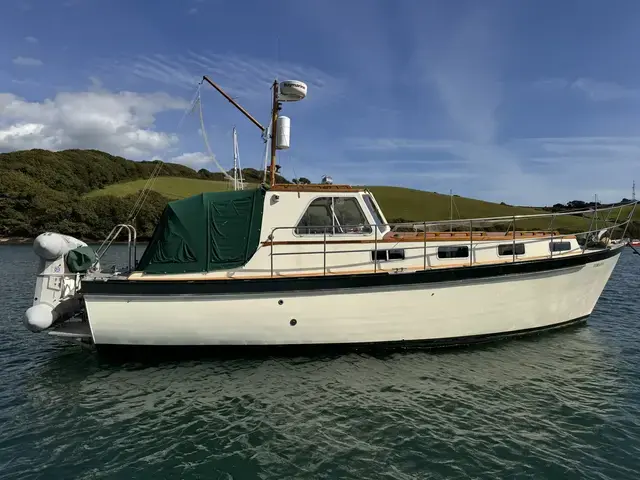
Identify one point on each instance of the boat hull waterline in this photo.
(536, 296)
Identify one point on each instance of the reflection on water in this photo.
(560, 405)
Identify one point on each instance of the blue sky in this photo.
(527, 102)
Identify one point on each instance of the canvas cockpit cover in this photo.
(206, 232)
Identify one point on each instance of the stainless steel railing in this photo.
(131, 244)
(606, 229)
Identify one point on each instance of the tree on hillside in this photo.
(304, 181)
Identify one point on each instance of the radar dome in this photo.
(327, 180)
(292, 91)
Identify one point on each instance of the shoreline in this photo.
(15, 240)
(29, 241)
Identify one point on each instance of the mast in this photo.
(235, 160)
(274, 119)
(633, 191)
(291, 91)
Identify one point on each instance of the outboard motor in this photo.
(62, 261)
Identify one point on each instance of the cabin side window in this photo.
(454, 251)
(559, 246)
(386, 255)
(333, 215)
(507, 249)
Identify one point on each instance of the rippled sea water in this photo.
(559, 405)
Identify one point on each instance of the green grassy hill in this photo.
(421, 205)
(172, 188)
(415, 205)
(398, 204)
(84, 193)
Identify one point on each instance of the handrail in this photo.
(131, 249)
(588, 234)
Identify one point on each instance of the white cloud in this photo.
(119, 123)
(594, 90)
(604, 91)
(195, 160)
(192, 11)
(30, 39)
(25, 81)
(27, 62)
(240, 76)
(551, 84)
(394, 144)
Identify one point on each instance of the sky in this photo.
(524, 102)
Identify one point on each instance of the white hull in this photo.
(424, 312)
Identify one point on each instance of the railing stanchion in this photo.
(551, 245)
(271, 245)
(135, 248)
(106, 244)
(424, 245)
(375, 250)
(471, 243)
(514, 240)
(586, 240)
(324, 252)
(130, 249)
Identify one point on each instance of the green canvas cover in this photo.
(206, 232)
(80, 259)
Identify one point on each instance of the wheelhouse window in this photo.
(559, 246)
(373, 210)
(335, 216)
(457, 251)
(507, 249)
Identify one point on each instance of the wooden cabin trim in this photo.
(297, 187)
(419, 236)
(430, 237)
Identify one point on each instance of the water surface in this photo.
(560, 405)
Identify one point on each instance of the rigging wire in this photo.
(148, 186)
(197, 102)
(192, 105)
(237, 172)
(206, 142)
(144, 193)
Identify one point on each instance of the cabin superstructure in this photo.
(300, 230)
